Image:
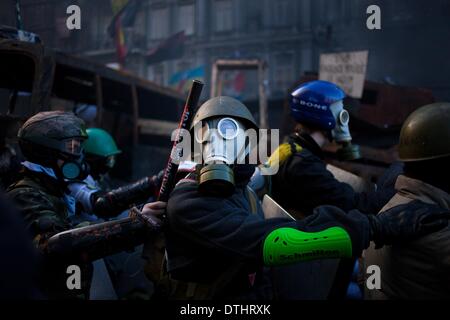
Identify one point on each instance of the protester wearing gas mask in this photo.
(303, 181)
(119, 275)
(94, 195)
(225, 147)
(51, 143)
(217, 238)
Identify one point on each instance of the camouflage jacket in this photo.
(41, 201)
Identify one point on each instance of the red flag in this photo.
(169, 49)
(125, 12)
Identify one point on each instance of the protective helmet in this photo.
(221, 107)
(425, 134)
(52, 135)
(100, 143)
(310, 103)
(53, 130)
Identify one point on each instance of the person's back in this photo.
(419, 269)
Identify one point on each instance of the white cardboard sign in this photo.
(346, 69)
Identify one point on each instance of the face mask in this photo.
(224, 144)
(341, 133)
(74, 169)
(223, 140)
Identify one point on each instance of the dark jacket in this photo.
(208, 234)
(418, 269)
(303, 183)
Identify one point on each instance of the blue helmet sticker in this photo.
(310, 103)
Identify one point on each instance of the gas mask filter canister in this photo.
(341, 133)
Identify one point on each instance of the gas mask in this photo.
(74, 169)
(224, 144)
(71, 160)
(99, 166)
(341, 132)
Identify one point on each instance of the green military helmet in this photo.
(100, 143)
(425, 134)
(56, 131)
(224, 106)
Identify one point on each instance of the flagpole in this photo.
(19, 23)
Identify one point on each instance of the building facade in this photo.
(412, 48)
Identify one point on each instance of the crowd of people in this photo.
(213, 238)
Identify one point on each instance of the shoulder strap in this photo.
(252, 199)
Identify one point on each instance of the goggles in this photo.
(110, 161)
(73, 146)
(228, 129)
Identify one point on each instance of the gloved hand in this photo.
(151, 214)
(406, 222)
(83, 194)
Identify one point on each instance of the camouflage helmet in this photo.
(425, 134)
(46, 134)
(224, 106)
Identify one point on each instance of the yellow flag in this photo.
(118, 5)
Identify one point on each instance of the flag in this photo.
(125, 11)
(180, 81)
(234, 84)
(119, 39)
(169, 49)
(124, 15)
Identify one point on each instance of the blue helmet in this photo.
(310, 103)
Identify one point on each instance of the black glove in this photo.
(406, 222)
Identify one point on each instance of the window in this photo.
(186, 19)
(284, 71)
(281, 14)
(159, 23)
(157, 74)
(253, 16)
(224, 15)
